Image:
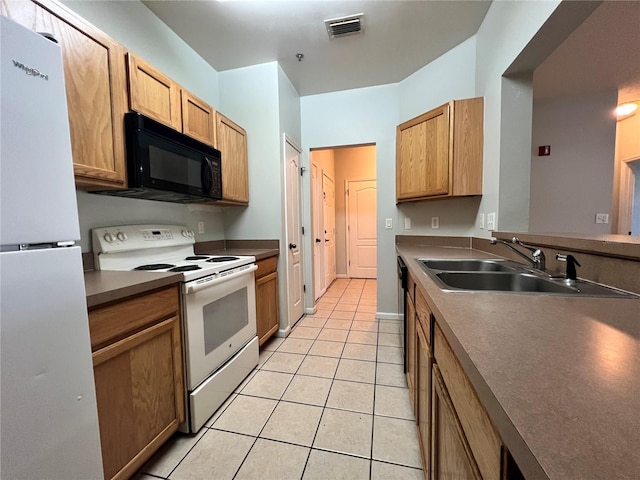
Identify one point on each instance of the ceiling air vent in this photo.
(339, 27)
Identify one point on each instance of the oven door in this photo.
(219, 319)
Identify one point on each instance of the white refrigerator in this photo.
(48, 415)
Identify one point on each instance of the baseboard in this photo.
(283, 332)
(388, 316)
(311, 310)
(341, 275)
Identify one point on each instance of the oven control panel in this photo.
(138, 237)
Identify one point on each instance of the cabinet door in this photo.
(422, 156)
(423, 388)
(95, 81)
(154, 94)
(267, 306)
(232, 142)
(451, 457)
(139, 390)
(411, 353)
(198, 118)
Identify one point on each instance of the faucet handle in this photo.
(571, 265)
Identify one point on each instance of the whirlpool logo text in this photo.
(34, 72)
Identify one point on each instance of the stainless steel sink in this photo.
(504, 282)
(471, 265)
(497, 275)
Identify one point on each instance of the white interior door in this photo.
(361, 228)
(294, 233)
(329, 214)
(317, 205)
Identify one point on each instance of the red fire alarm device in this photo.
(544, 150)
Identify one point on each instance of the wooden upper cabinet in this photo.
(232, 142)
(154, 94)
(95, 80)
(157, 96)
(198, 118)
(439, 153)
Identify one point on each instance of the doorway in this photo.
(331, 170)
(293, 232)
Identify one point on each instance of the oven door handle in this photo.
(208, 282)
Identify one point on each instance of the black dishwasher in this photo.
(402, 306)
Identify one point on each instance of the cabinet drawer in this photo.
(481, 435)
(424, 316)
(266, 266)
(115, 321)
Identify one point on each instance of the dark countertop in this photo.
(107, 286)
(259, 253)
(558, 375)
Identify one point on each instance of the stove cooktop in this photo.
(157, 248)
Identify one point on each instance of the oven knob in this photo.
(121, 236)
(185, 233)
(192, 234)
(108, 237)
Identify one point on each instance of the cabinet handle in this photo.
(292, 246)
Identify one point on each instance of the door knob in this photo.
(318, 240)
(292, 246)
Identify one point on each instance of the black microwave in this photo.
(164, 164)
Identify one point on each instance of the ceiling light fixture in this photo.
(626, 110)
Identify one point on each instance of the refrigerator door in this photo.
(47, 394)
(38, 202)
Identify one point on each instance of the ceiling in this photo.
(603, 53)
(399, 37)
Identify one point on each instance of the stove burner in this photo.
(196, 257)
(154, 266)
(221, 259)
(186, 268)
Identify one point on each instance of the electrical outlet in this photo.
(435, 222)
(602, 218)
(388, 223)
(481, 221)
(491, 221)
(200, 228)
(407, 223)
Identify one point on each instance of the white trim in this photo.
(389, 316)
(283, 333)
(311, 311)
(341, 275)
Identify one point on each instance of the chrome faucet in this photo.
(537, 256)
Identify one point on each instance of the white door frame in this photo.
(346, 217)
(317, 231)
(284, 248)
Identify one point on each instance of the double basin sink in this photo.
(508, 276)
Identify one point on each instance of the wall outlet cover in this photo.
(407, 223)
(491, 221)
(200, 228)
(435, 222)
(602, 218)
(481, 221)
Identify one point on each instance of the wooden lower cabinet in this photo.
(267, 298)
(451, 457)
(411, 353)
(138, 377)
(423, 394)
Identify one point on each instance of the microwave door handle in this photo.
(196, 286)
(207, 173)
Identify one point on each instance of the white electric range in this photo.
(217, 302)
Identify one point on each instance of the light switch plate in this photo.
(491, 221)
(200, 228)
(481, 221)
(602, 218)
(407, 223)
(388, 223)
(435, 222)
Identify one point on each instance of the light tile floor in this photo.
(329, 402)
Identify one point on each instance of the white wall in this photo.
(355, 117)
(575, 182)
(134, 26)
(449, 77)
(504, 33)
